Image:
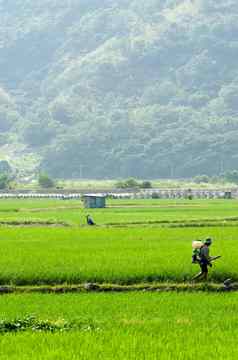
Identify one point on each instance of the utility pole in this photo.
(81, 170)
(171, 171)
(221, 166)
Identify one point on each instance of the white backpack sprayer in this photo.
(197, 246)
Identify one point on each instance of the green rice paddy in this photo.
(121, 212)
(124, 256)
(125, 326)
(135, 242)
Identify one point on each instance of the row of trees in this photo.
(8, 177)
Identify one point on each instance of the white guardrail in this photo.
(137, 194)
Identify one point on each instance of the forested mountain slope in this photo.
(117, 88)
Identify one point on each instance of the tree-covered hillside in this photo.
(118, 88)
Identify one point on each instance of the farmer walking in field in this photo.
(202, 257)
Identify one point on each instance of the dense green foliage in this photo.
(4, 181)
(45, 181)
(232, 176)
(133, 184)
(120, 88)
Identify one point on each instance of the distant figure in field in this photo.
(90, 220)
(202, 257)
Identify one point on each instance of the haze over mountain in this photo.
(118, 88)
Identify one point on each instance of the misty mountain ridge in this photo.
(119, 88)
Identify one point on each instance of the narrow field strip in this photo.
(174, 206)
(201, 224)
(225, 221)
(50, 209)
(33, 223)
(115, 288)
(149, 224)
(172, 224)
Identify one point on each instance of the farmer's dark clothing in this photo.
(203, 266)
(90, 221)
(204, 258)
(204, 261)
(204, 253)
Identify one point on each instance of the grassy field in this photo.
(122, 212)
(71, 255)
(141, 246)
(135, 242)
(125, 326)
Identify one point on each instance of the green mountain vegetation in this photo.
(119, 88)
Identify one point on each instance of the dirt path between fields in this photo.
(94, 287)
